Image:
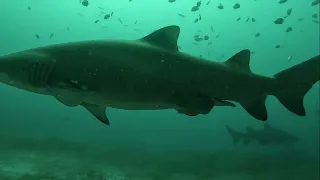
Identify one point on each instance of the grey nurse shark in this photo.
(266, 136)
(151, 74)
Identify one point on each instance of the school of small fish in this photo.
(196, 8)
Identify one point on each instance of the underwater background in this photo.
(41, 139)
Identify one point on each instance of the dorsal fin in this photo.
(166, 38)
(240, 61)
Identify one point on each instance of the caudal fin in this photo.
(294, 83)
(235, 135)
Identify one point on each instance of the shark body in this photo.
(149, 74)
(266, 136)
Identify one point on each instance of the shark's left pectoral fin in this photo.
(98, 111)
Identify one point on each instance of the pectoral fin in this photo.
(98, 111)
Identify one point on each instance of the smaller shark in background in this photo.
(266, 136)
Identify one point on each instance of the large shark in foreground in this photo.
(266, 136)
(149, 74)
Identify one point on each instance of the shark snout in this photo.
(27, 70)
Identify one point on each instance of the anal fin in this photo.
(256, 107)
(98, 111)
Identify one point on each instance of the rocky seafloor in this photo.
(53, 159)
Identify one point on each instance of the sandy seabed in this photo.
(53, 159)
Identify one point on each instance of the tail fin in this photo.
(236, 136)
(295, 82)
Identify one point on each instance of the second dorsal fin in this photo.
(240, 61)
(166, 38)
